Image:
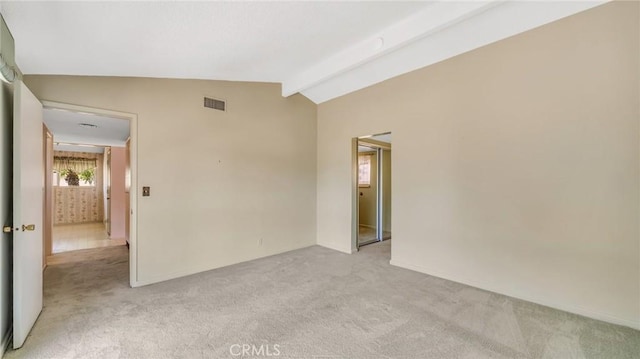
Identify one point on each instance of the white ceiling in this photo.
(322, 49)
(245, 41)
(67, 127)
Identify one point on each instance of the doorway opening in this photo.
(372, 205)
(85, 177)
(89, 171)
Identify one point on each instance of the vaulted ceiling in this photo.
(320, 49)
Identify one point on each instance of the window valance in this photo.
(77, 164)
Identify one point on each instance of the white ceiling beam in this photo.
(431, 19)
(495, 24)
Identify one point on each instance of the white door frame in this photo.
(355, 196)
(133, 197)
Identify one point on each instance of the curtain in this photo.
(76, 164)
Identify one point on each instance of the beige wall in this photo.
(515, 166)
(219, 182)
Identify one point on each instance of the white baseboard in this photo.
(339, 249)
(195, 270)
(6, 341)
(538, 300)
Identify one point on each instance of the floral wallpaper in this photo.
(77, 205)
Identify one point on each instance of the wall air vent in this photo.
(215, 104)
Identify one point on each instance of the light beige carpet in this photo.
(309, 303)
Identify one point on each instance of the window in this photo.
(73, 171)
(364, 170)
(85, 178)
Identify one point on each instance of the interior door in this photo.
(368, 194)
(107, 179)
(28, 188)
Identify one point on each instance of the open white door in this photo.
(28, 187)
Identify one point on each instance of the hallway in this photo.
(71, 237)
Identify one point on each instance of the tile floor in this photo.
(71, 237)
